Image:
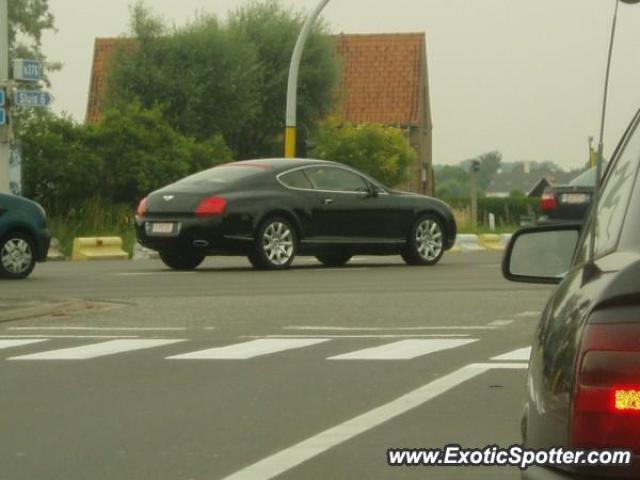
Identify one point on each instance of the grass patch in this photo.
(94, 218)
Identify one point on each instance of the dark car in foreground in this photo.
(584, 373)
(568, 203)
(272, 210)
(24, 237)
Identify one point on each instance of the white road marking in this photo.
(500, 323)
(522, 354)
(69, 336)
(248, 350)
(529, 314)
(291, 457)
(18, 343)
(147, 274)
(95, 350)
(413, 335)
(384, 329)
(403, 350)
(101, 329)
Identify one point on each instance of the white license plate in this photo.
(162, 228)
(575, 198)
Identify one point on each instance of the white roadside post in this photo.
(5, 128)
(290, 135)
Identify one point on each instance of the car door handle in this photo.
(327, 201)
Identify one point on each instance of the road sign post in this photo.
(5, 130)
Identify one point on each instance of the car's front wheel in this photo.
(17, 257)
(182, 260)
(425, 245)
(275, 245)
(334, 259)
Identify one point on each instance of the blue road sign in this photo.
(27, 70)
(33, 98)
(3, 97)
(3, 116)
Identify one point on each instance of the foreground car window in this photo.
(336, 180)
(615, 196)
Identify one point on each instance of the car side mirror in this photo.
(372, 191)
(541, 254)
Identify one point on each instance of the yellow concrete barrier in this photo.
(491, 242)
(101, 248)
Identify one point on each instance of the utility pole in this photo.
(290, 135)
(475, 168)
(5, 130)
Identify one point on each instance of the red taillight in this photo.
(606, 404)
(143, 207)
(211, 207)
(548, 202)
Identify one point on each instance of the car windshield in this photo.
(586, 179)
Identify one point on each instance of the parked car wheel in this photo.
(426, 242)
(275, 246)
(182, 260)
(334, 259)
(17, 256)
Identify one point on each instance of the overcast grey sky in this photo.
(522, 77)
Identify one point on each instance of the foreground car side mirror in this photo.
(541, 254)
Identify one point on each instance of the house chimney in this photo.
(527, 168)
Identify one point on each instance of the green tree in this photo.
(140, 152)
(272, 29)
(58, 168)
(225, 77)
(28, 20)
(380, 151)
(452, 181)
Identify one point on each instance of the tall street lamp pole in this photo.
(292, 89)
(5, 136)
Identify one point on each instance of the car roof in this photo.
(283, 164)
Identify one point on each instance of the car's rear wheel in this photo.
(275, 246)
(425, 245)
(17, 257)
(182, 260)
(334, 259)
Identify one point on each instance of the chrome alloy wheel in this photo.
(429, 240)
(16, 256)
(277, 243)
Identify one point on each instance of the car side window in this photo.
(614, 200)
(334, 179)
(296, 179)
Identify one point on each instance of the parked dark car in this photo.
(568, 203)
(272, 210)
(24, 237)
(584, 373)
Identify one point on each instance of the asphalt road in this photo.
(136, 372)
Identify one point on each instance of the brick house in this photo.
(385, 80)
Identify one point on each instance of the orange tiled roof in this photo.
(382, 77)
(382, 82)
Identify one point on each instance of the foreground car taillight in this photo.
(143, 207)
(606, 404)
(211, 207)
(548, 202)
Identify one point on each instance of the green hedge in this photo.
(508, 211)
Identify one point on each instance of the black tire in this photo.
(17, 256)
(275, 246)
(425, 245)
(334, 259)
(182, 261)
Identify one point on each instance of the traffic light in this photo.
(475, 166)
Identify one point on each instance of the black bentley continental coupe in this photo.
(272, 210)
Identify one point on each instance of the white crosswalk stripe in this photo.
(403, 350)
(252, 349)
(96, 350)
(522, 354)
(19, 342)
